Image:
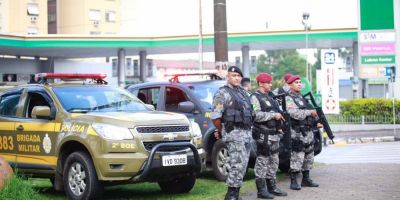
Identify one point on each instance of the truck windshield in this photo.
(205, 92)
(83, 99)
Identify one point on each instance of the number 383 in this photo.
(6, 143)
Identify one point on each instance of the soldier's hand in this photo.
(217, 135)
(319, 125)
(278, 116)
(314, 113)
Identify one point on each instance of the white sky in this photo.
(181, 17)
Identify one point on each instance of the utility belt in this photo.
(300, 146)
(264, 149)
(302, 128)
(308, 121)
(230, 126)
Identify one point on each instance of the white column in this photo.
(246, 61)
(121, 68)
(356, 71)
(143, 65)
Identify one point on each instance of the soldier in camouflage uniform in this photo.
(232, 117)
(303, 118)
(266, 130)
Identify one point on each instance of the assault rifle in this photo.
(322, 119)
(282, 99)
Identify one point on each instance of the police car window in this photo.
(35, 99)
(205, 92)
(80, 99)
(149, 96)
(173, 97)
(8, 104)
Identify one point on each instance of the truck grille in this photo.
(149, 145)
(163, 129)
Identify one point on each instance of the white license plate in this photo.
(172, 160)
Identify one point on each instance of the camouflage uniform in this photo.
(266, 165)
(300, 160)
(237, 140)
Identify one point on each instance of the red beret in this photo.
(292, 79)
(264, 77)
(287, 76)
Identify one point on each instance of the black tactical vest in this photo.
(239, 113)
(303, 105)
(267, 104)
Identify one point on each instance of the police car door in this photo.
(9, 103)
(173, 97)
(35, 135)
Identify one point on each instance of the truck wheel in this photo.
(219, 160)
(178, 185)
(80, 178)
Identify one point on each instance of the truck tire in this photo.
(178, 185)
(80, 178)
(219, 158)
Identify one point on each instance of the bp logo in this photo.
(47, 143)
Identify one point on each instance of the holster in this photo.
(297, 145)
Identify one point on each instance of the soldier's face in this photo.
(265, 87)
(234, 78)
(296, 86)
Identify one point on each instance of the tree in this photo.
(280, 62)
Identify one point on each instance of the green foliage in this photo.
(370, 106)
(18, 189)
(280, 62)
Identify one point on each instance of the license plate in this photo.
(172, 160)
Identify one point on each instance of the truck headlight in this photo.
(112, 132)
(197, 136)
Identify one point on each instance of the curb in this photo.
(361, 140)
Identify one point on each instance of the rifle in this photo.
(322, 119)
(282, 99)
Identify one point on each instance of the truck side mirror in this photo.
(186, 107)
(41, 112)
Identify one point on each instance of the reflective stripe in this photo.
(7, 126)
(39, 126)
(8, 157)
(91, 131)
(48, 160)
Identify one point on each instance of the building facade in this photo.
(93, 17)
(23, 16)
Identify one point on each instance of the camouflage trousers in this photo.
(302, 160)
(238, 144)
(267, 165)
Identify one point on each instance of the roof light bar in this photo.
(71, 76)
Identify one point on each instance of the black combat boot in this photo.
(231, 194)
(262, 191)
(307, 182)
(237, 193)
(293, 181)
(271, 184)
